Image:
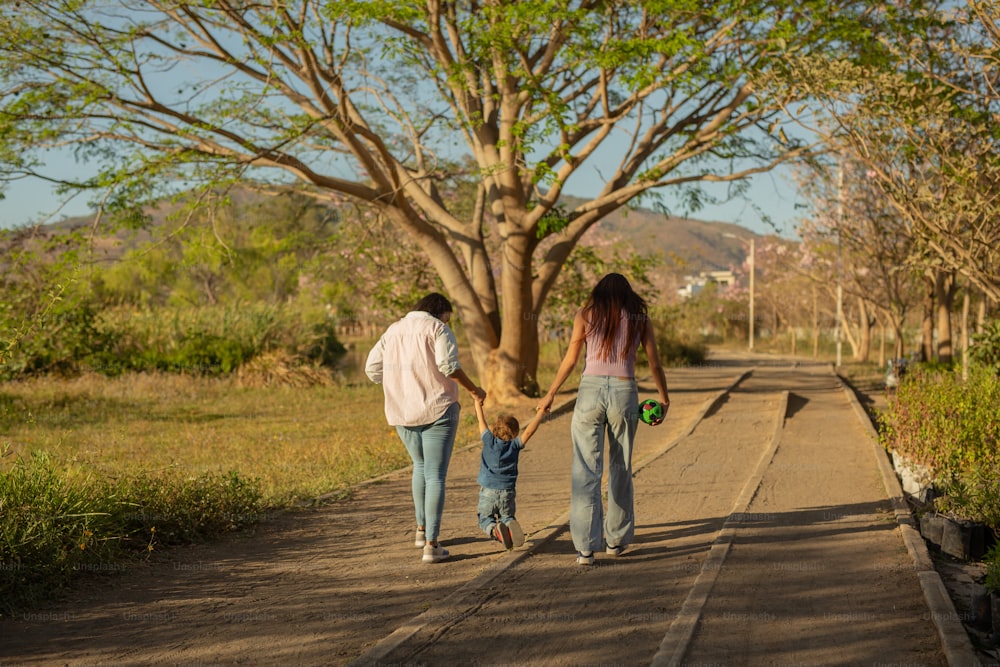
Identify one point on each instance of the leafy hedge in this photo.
(951, 426)
(57, 525)
(213, 341)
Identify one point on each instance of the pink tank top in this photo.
(614, 367)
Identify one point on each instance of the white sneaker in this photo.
(435, 554)
(420, 539)
(584, 557)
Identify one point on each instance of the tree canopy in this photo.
(925, 125)
(393, 103)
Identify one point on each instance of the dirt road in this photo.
(765, 536)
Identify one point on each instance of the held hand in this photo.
(479, 394)
(545, 404)
(666, 407)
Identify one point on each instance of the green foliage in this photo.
(985, 349)
(212, 341)
(972, 492)
(57, 526)
(59, 314)
(992, 560)
(708, 316)
(48, 316)
(938, 420)
(586, 265)
(677, 353)
(949, 425)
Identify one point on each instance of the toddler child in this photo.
(498, 475)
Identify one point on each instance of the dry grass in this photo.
(300, 436)
(299, 442)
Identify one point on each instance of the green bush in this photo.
(58, 340)
(992, 561)
(57, 525)
(211, 341)
(985, 349)
(950, 426)
(678, 353)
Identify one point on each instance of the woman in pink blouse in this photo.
(416, 362)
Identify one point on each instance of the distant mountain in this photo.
(688, 246)
(692, 245)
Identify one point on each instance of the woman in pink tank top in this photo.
(611, 325)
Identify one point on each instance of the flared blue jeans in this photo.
(606, 406)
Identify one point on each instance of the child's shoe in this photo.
(502, 535)
(516, 534)
(584, 557)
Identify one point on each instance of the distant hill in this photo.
(689, 246)
(694, 245)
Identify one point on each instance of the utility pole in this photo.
(840, 263)
(753, 254)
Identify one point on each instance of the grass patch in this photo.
(57, 526)
(296, 442)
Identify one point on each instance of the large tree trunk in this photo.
(512, 368)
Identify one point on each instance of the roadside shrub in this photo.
(972, 493)
(280, 369)
(678, 353)
(211, 341)
(985, 349)
(58, 340)
(950, 426)
(58, 525)
(992, 561)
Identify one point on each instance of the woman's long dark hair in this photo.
(612, 296)
(434, 303)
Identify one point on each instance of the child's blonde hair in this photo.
(506, 427)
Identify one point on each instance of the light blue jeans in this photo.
(495, 505)
(604, 405)
(430, 448)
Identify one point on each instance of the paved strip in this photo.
(954, 639)
(820, 574)
(677, 639)
(468, 599)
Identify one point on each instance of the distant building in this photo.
(694, 284)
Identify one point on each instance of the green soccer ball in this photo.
(650, 411)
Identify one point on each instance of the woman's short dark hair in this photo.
(434, 303)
